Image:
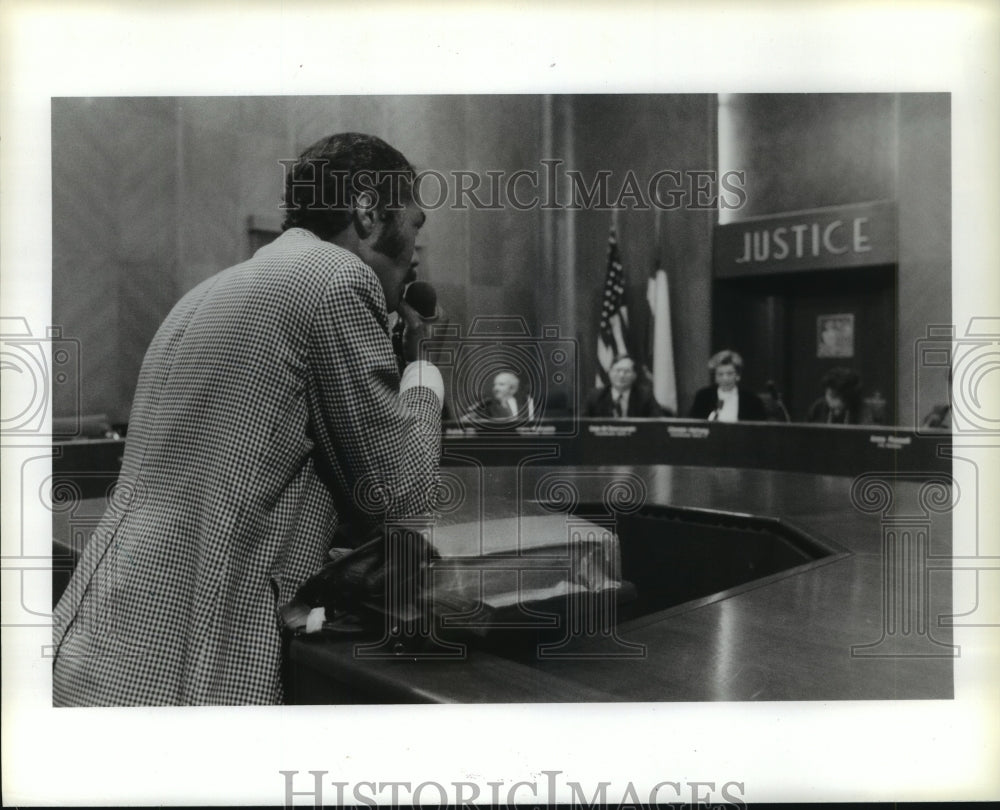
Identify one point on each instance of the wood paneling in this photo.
(209, 212)
(924, 240)
(114, 254)
(147, 257)
(811, 150)
(83, 300)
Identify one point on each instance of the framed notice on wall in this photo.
(835, 335)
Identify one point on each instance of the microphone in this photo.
(714, 415)
(422, 297)
(772, 389)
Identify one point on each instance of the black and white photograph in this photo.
(571, 555)
(414, 441)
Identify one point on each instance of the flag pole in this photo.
(649, 359)
(657, 215)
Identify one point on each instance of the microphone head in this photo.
(422, 297)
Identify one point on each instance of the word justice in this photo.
(807, 239)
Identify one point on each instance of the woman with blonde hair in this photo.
(726, 401)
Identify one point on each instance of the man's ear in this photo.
(364, 215)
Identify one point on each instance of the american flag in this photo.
(612, 335)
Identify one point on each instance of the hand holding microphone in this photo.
(418, 308)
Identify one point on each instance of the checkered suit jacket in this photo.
(267, 409)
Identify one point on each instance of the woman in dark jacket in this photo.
(726, 401)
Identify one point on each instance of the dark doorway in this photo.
(794, 328)
(844, 322)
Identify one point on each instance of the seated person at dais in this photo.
(939, 417)
(841, 403)
(726, 401)
(625, 397)
(508, 403)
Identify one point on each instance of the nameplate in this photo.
(687, 432)
(890, 442)
(611, 430)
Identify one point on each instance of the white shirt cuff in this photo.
(421, 372)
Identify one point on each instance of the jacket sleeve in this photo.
(649, 406)
(383, 447)
(701, 409)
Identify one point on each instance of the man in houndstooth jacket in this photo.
(269, 408)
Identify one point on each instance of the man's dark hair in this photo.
(322, 187)
(845, 383)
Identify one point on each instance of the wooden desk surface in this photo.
(788, 637)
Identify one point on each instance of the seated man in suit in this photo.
(508, 403)
(726, 401)
(624, 397)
